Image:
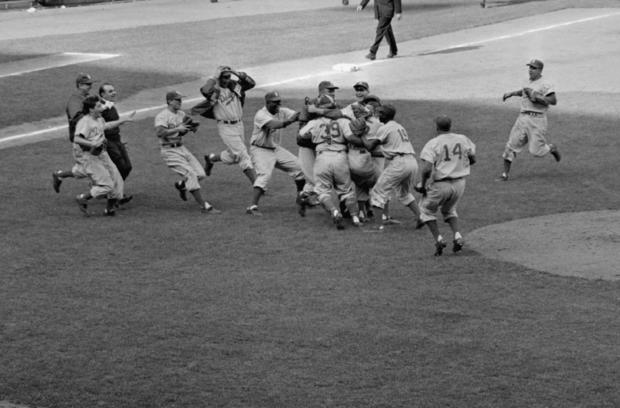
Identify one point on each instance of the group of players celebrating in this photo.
(351, 159)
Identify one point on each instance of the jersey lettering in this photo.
(403, 135)
(457, 150)
(329, 132)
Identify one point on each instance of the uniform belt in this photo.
(228, 122)
(398, 154)
(172, 144)
(330, 151)
(449, 179)
(530, 113)
(264, 147)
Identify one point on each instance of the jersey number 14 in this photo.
(457, 150)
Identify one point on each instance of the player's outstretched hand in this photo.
(506, 96)
(130, 117)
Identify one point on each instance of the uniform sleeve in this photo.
(308, 128)
(288, 113)
(82, 128)
(381, 134)
(428, 152)
(548, 89)
(470, 146)
(345, 128)
(160, 120)
(261, 118)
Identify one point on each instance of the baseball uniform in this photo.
(449, 154)
(176, 156)
(530, 127)
(401, 165)
(266, 151)
(104, 176)
(331, 167)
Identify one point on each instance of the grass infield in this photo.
(162, 306)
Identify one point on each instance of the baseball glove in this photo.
(358, 126)
(190, 124)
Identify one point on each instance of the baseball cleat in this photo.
(345, 2)
(390, 221)
(82, 204)
(180, 185)
(503, 177)
(208, 165)
(253, 210)
(301, 201)
(419, 224)
(57, 181)
(371, 56)
(483, 3)
(356, 221)
(338, 221)
(209, 209)
(553, 149)
(439, 246)
(391, 55)
(124, 200)
(109, 212)
(457, 244)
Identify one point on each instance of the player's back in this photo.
(449, 153)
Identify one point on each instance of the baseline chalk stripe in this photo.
(84, 57)
(49, 61)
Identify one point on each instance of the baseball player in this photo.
(171, 124)
(114, 145)
(401, 165)
(266, 151)
(446, 160)
(226, 97)
(105, 179)
(73, 109)
(331, 168)
(306, 154)
(530, 128)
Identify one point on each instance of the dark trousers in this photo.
(119, 156)
(384, 29)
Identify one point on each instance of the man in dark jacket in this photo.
(385, 11)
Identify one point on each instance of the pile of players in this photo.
(351, 159)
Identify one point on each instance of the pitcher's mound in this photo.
(585, 244)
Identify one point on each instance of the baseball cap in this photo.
(272, 96)
(371, 98)
(173, 95)
(326, 85)
(83, 78)
(536, 63)
(361, 84)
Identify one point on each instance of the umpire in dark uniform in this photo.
(385, 11)
(115, 146)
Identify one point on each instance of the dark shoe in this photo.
(302, 202)
(503, 177)
(313, 200)
(345, 2)
(439, 246)
(391, 55)
(338, 221)
(457, 245)
(125, 200)
(371, 56)
(180, 185)
(483, 3)
(82, 204)
(109, 212)
(419, 224)
(553, 149)
(208, 165)
(57, 181)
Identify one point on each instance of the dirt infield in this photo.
(583, 244)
